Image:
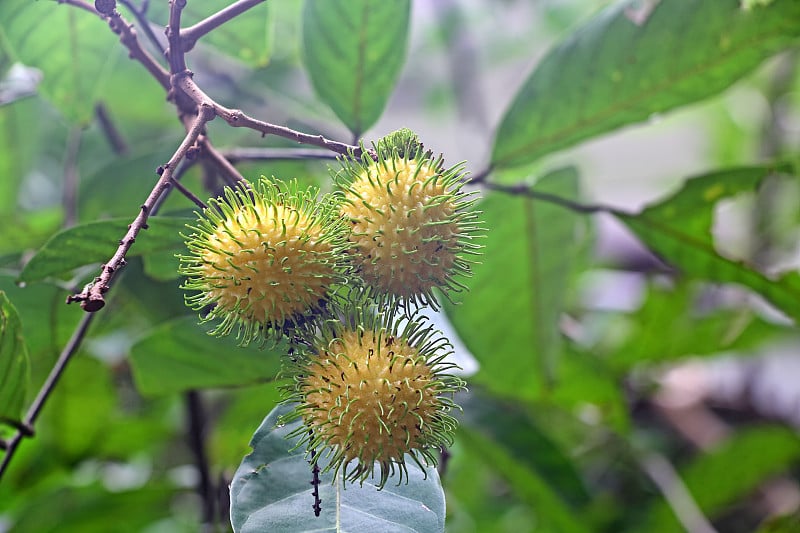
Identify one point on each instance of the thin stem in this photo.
(111, 132)
(221, 163)
(190, 35)
(238, 119)
(47, 388)
(523, 189)
(91, 297)
(144, 24)
(196, 438)
(675, 493)
(277, 154)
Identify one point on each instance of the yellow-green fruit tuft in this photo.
(372, 394)
(264, 258)
(412, 226)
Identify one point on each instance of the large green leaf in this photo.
(14, 364)
(75, 50)
(732, 471)
(519, 288)
(95, 242)
(679, 230)
(179, 356)
(271, 492)
(354, 50)
(634, 59)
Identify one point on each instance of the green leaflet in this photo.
(270, 492)
(95, 242)
(179, 355)
(679, 230)
(14, 363)
(353, 51)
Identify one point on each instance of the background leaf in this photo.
(634, 59)
(679, 230)
(733, 470)
(179, 356)
(73, 48)
(354, 50)
(521, 284)
(271, 492)
(95, 242)
(14, 363)
(667, 327)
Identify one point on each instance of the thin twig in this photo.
(112, 133)
(238, 119)
(277, 154)
(523, 189)
(91, 297)
(222, 164)
(675, 493)
(144, 24)
(190, 35)
(47, 388)
(196, 438)
(129, 39)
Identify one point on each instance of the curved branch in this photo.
(92, 297)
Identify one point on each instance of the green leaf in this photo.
(271, 492)
(19, 130)
(667, 327)
(634, 59)
(46, 321)
(679, 230)
(509, 428)
(96, 242)
(14, 363)
(353, 51)
(519, 287)
(752, 455)
(179, 355)
(75, 50)
(527, 484)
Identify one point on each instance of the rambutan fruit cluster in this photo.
(343, 277)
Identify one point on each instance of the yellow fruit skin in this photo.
(267, 263)
(370, 396)
(264, 258)
(404, 227)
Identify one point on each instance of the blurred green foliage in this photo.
(564, 412)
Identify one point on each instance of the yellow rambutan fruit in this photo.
(264, 258)
(370, 392)
(412, 224)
